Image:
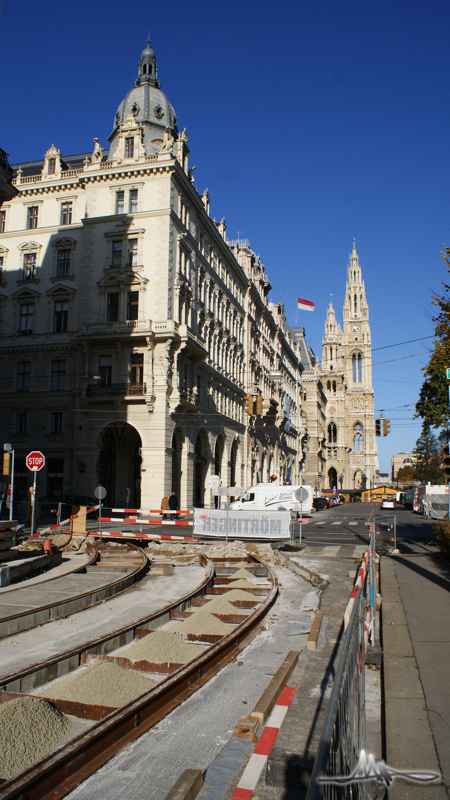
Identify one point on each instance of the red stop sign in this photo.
(35, 460)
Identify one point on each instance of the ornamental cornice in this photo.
(34, 348)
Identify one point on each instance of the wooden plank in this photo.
(187, 786)
(272, 692)
(311, 643)
(246, 728)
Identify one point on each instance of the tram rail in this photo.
(60, 771)
(122, 564)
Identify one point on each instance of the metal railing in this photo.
(343, 733)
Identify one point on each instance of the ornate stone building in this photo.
(351, 454)
(130, 330)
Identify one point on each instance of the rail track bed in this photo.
(111, 568)
(95, 699)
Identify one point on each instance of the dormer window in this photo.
(129, 147)
(51, 166)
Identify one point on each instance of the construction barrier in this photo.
(64, 522)
(139, 521)
(154, 537)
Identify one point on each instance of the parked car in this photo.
(341, 498)
(388, 502)
(320, 503)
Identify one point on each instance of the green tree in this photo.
(433, 403)
(428, 451)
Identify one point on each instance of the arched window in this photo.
(357, 367)
(355, 304)
(334, 387)
(357, 438)
(332, 433)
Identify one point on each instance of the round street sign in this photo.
(35, 460)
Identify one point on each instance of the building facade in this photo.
(351, 454)
(131, 330)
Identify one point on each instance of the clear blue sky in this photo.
(308, 120)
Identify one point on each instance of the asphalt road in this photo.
(350, 524)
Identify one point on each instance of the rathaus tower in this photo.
(347, 379)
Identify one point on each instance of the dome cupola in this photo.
(146, 108)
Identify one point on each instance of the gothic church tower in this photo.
(347, 378)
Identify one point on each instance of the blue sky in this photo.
(309, 121)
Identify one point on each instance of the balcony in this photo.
(128, 326)
(126, 389)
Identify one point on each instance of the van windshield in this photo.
(248, 497)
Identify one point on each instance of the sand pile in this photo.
(102, 684)
(220, 605)
(202, 622)
(29, 729)
(162, 647)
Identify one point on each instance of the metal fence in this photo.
(343, 734)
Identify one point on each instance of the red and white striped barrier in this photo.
(138, 521)
(154, 537)
(258, 759)
(64, 522)
(360, 578)
(149, 511)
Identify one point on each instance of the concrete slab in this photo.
(401, 677)
(397, 641)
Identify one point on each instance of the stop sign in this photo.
(35, 460)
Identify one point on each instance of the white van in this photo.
(270, 497)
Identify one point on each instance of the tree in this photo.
(433, 404)
(428, 452)
(406, 474)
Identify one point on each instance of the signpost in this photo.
(34, 461)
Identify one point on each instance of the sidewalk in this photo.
(415, 590)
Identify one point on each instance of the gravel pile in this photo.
(238, 594)
(242, 584)
(102, 684)
(29, 729)
(202, 622)
(220, 605)
(162, 647)
(244, 574)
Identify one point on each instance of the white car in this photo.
(388, 503)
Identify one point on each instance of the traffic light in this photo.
(6, 463)
(386, 427)
(248, 404)
(378, 427)
(258, 405)
(446, 464)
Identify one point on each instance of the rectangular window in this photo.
(66, 213)
(23, 376)
(129, 147)
(137, 369)
(26, 318)
(105, 370)
(58, 378)
(63, 263)
(60, 316)
(56, 422)
(112, 311)
(132, 305)
(2, 221)
(29, 266)
(32, 218)
(117, 254)
(1, 268)
(51, 166)
(133, 201)
(120, 202)
(132, 252)
(21, 422)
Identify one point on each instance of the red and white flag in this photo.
(305, 305)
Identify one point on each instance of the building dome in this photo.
(147, 104)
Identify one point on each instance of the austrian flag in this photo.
(305, 305)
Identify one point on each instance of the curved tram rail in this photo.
(111, 569)
(58, 773)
